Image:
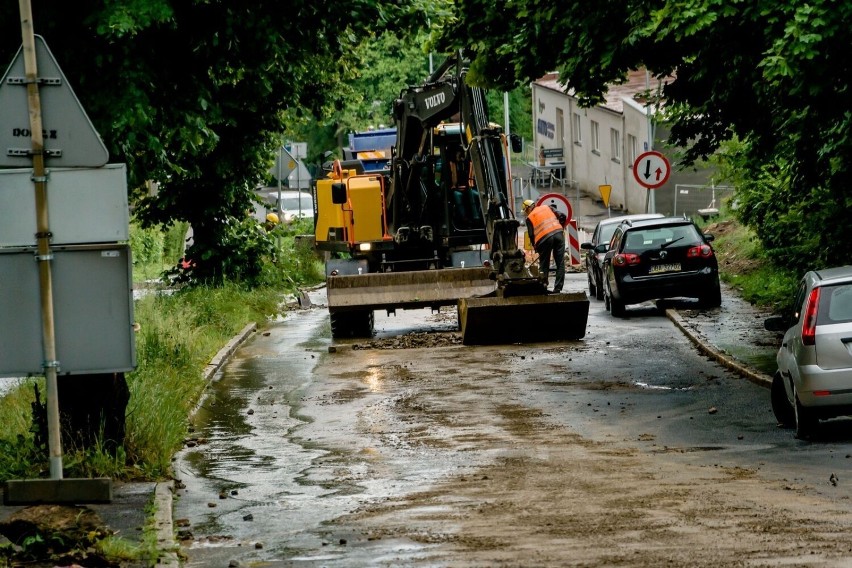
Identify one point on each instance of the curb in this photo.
(754, 376)
(164, 525)
(222, 356)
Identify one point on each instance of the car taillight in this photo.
(700, 251)
(626, 258)
(809, 323)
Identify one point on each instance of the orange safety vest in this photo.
(544, 222)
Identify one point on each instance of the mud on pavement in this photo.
(530, 492)
(413, 450)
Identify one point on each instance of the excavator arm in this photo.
(445, 95)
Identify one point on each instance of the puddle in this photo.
(660, 387)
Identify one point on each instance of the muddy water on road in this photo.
(243, 475)
(742, 337)
(261, 477)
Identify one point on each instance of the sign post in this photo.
(93, 154)
(43, 245)
(559, 202)
(651, 170)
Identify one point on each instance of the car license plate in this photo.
(658, 268)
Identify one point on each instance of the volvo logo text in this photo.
(435, 100)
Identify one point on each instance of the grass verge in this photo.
(744, 266)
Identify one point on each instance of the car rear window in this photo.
(835, 304)
(655, 236)
(607, 231)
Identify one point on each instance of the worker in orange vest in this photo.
(547, 234)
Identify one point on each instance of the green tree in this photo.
(773, 74)
(383, 64)
(192, 95)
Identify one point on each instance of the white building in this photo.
(600, 144)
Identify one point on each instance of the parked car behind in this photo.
(659, 258)
(814, 377)
(598, 246)
(294, 204)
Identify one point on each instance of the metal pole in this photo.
(652, 203)
(44, 255)
(677, 189)
(280, 212)
(506, 127)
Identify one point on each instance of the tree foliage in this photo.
(773, 74)
(193, 94)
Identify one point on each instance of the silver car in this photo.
(814, 378)
(294, 204)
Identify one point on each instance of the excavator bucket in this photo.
(523, 319)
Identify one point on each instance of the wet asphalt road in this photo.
(288, 437)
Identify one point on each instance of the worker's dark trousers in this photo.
(554, 243)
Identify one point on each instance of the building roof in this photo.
(633, 88)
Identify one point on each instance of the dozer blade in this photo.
(523, 319)
(407, 290)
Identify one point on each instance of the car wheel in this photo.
(592, 288)
(712, 298)
(618, 308)
(806, 422)
(600, 292)
(781, 407)
(606, 298)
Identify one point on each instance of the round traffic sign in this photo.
(651, 169)
(559, 201)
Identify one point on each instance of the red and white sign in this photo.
(559, 201)
(574, 255)
(651, 169)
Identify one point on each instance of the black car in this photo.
(660, 258)
(598, 246)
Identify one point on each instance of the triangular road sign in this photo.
(284, 164)
(605, 190)
(70, 140)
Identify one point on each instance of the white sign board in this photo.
(299, 150)
(70, 140)
(86, 205)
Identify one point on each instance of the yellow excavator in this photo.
(436, 227)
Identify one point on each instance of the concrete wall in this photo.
(556, 118)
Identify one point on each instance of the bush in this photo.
(744, 264)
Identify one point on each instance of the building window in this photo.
(631, 149)
(596, 138)
(615, 138)
(578, 137)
